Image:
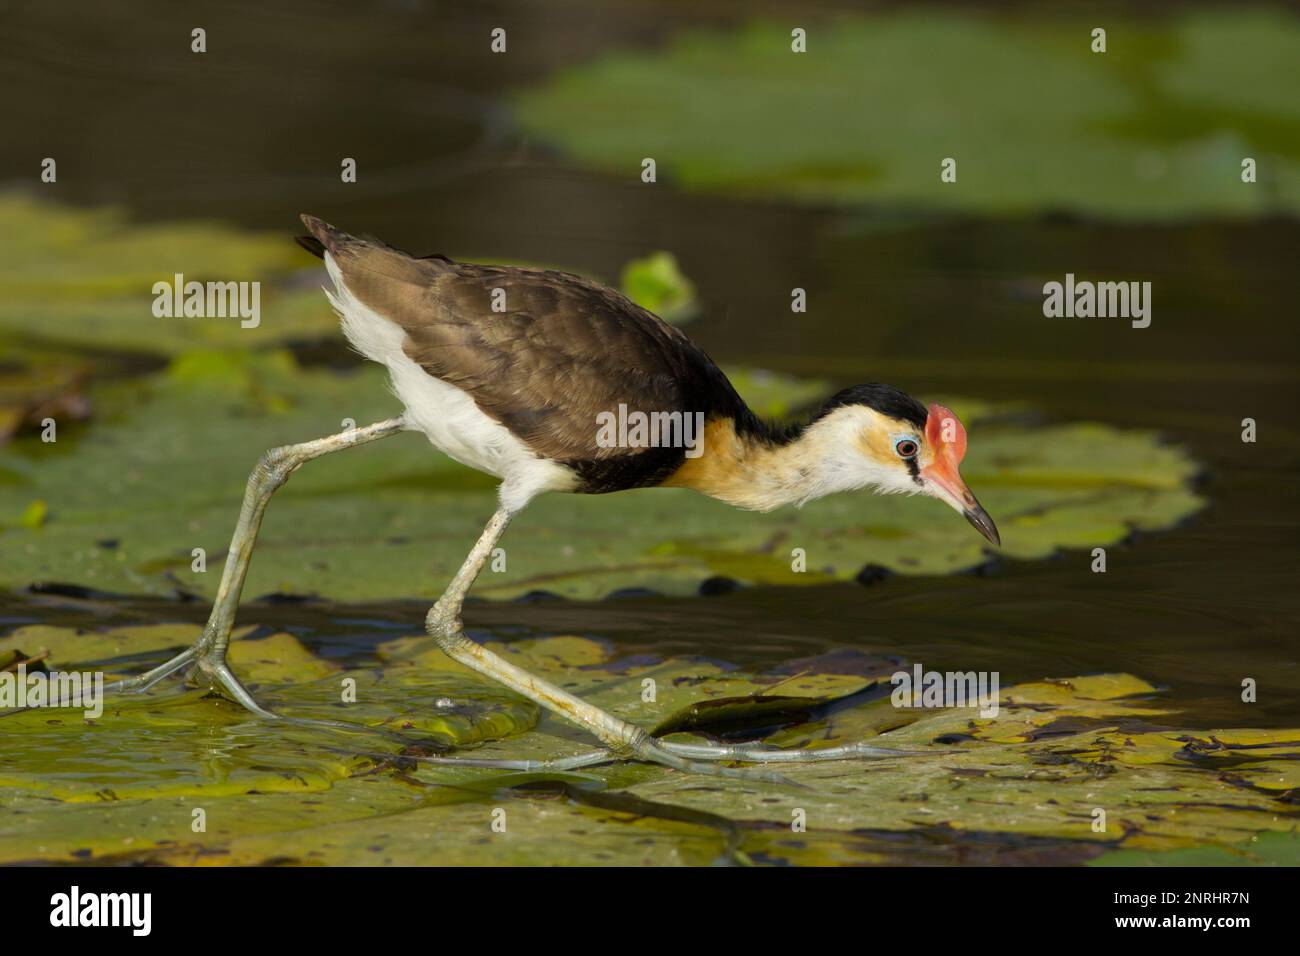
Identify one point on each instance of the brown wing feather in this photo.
(564, 350)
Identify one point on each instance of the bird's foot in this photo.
(212, 670)
(706, 758)
(687, 758)
(760, 753)
(182, 662)
(649, 750)
(201, 666)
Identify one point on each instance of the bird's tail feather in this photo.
(325, 237)
(363, 254)
(312, 245)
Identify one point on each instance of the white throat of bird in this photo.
(848, 449)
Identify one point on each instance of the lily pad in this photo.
(1028, 783)
(668, 696)
(1043, 767)
(173, 453)
(140, 747)
(1157, 126)
(83, 280)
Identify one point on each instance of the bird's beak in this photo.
(943, 475)
(980, 520)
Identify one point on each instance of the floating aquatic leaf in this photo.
(81, 280)
(1264, 849)
(147, 746)
(1041, 768)
(77, 279)
(1157, 126)
(682, 694)
(171, 453)
(396, 518)
(1024, 785)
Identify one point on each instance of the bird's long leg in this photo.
(619, 736)
(208, 654)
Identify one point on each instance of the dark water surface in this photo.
(253, 135)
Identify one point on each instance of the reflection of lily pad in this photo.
(395, 519)
(1027, 784)
(1157, 125)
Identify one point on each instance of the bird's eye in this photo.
(906, 448)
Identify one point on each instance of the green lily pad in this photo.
(173, 452)
(666, 697)
(170, 454)
(78, 279)
(1043, 767)
(142, 748)
(84, 279)
(1157, 126)
(1027, 783)
(1264, 849)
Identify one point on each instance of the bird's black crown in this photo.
(883, 398)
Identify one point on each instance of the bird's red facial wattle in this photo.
(946, 437)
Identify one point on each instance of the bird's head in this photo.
(877, 436)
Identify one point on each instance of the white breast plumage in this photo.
(447, 415)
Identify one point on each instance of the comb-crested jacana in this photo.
(508, 371)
